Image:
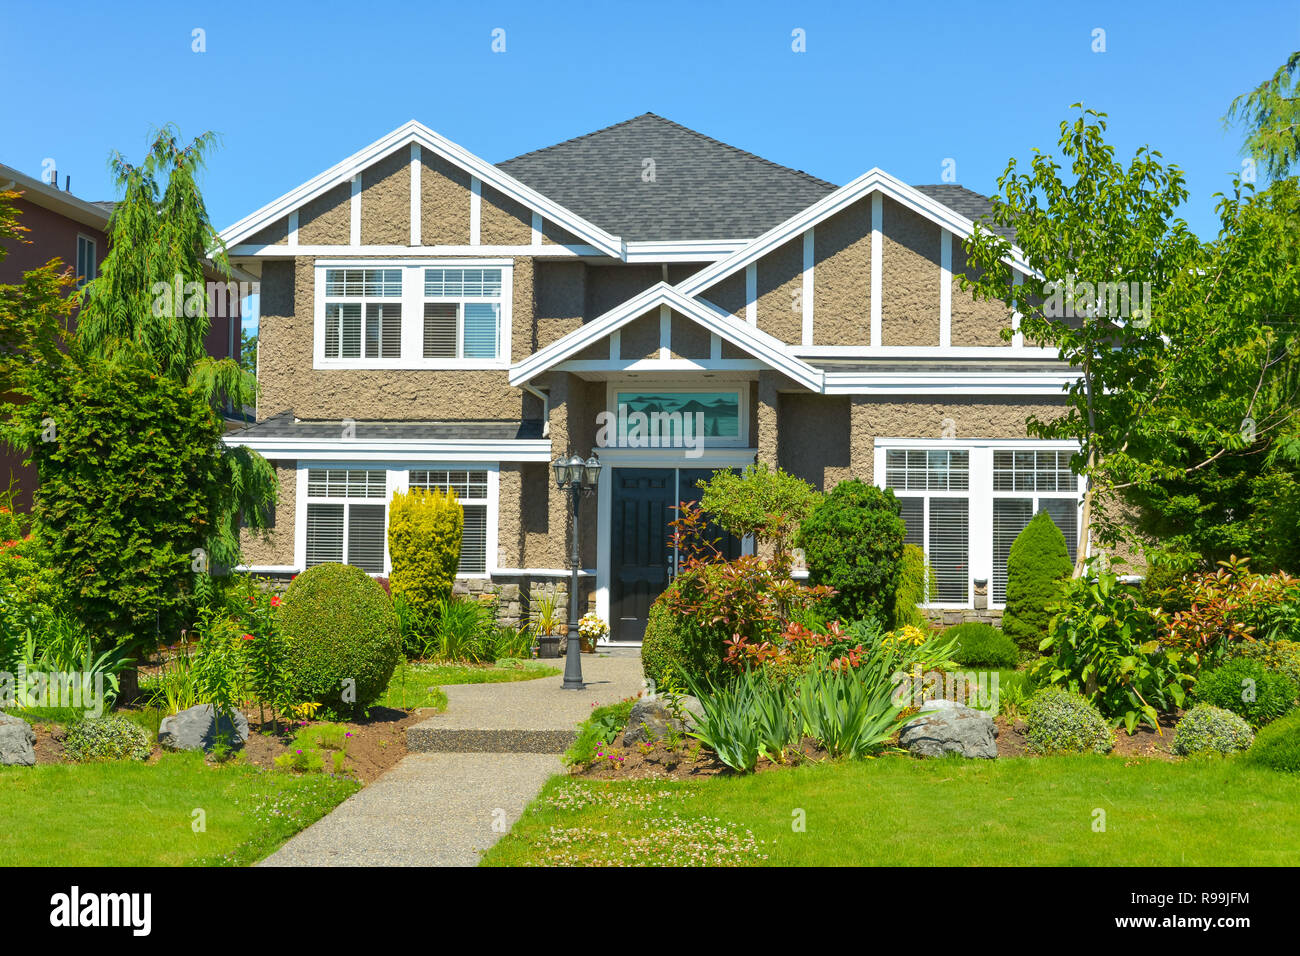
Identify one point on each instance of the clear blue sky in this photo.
(294, 87)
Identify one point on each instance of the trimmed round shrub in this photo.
(1036, 565)
(107, 738)
(341, 628)
(1058, 721)
(853, 541)
(1206, 729)
(675, 648)
(982, 645)
(1277, 746)
(1248, 688)
(1281, 655)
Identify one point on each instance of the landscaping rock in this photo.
(17, 742)
(952, 728)
(197, 729)
(650, 720)
(692, 710)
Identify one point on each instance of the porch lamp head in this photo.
(591, 472)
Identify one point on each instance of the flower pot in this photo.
(588, 645)
(548, 645)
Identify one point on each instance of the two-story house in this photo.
(670, 302)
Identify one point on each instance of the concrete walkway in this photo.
(472, 771)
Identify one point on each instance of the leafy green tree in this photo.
(1036, 565)
(424, 535)
(763, 502)
(853, 540)
(1271, 114)
(151, 300)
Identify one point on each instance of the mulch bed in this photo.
(1144, 742)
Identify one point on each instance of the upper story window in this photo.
(85, 260)
(413, 314)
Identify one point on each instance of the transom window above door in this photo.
(413, 314)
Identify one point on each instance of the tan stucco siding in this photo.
(327, 219)
(814, 440)
(690, 340)
(610, 286)
(523, 309)
(553, 235)
(502, 221)
(276, 234)
(444, 203)
(910, 277)
(780, 286)
(574, 406)
(275, 546)
(640, 337)
(288, 379)
(561, 298)
(973, 322)
(386, 201)
(842, 277)
(923, 418)
(729, 294)
(730, 351)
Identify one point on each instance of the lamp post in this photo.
(579, 478)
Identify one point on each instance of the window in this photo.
(471, 488)
(933, 491)
(347, 517)
(355, 320)
(86, 269)
(1054, 489)
(462, 313)
(669, 419)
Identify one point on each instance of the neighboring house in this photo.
(429, 319)
(74, 230)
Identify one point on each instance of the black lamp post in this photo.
(579, 478)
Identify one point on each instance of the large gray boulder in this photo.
(17, 742)
(649, 721)
(951, 728)
(198, 729)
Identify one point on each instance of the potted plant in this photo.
(591, 629)
(544, 617)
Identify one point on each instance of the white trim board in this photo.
(415, 132)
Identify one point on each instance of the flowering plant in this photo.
(592, 628)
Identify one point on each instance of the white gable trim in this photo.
(873, 181)
(417, 133)
(762, 346)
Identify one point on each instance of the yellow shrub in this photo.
(424, 530)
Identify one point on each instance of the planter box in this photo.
(548, 646)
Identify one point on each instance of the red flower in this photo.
(248, 637)
(275, 601)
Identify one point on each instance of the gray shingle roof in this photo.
(969, 203)
(702, 189)
(283, 425)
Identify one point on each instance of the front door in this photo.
(642, 561)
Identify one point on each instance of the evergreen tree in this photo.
(1038, 562)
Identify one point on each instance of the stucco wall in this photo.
(560, 300)
(502, 221)
(842, 277)
(275, 547)
(909, 277)
(780, 284)
(610, 286)
(640, 337)
(289, 381)
(386, 201)
(973, 322)
(729, 294)
(690, 340)
(553, 235)
(327, 219)
(444, 202)
(276, 234)
(814, 440)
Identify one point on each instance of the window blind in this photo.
(948, 548)
(481, 330)
(1010, 515)
(324, 534)
(440, 329)
(366, 537)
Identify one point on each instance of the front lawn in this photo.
(417, 685)
(129, 813)
(897, 811)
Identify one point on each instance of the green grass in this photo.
(897, 811)
(422, 681)
(128, 813)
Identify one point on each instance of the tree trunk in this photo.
(128, 691)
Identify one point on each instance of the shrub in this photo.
(1102, 642)
(982, 645)
(916, 584)
(853, 541)
(769, 504)
(1248, 688)
(1283, 656)
(1036, 565)
(675, 649)
(340, 626)
(1277, 746)
(464, 631)
(1061, 721)
(424, 532)
(1205, 729)
(107, 738)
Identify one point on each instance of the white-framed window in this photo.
(408, 314)
(86, 266)
(471, 488)
(1025, 482)
(347, 517)
(933, 490)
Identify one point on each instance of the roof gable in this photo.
(696, 188)
(759, 344)
(419, 134)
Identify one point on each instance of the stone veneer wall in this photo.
(513, 595)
